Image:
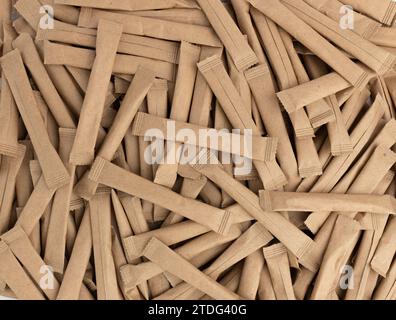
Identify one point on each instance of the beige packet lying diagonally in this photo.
(170, 261)
(231, 102)
(16, 277)
(104, 172)
(154, 28)
(386, 289)
(8, 109)
(298, 201)
(296, 241)
(250, 277)
(229, 34)
(55, 174)
(371, 55)
(313, 41)
(127, 5)
(278, 266)
(109, 34)
(146, 125)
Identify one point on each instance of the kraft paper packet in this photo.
(129, 44)
(265, 289)
(108, 174)
(371, 55)
(241, 53)
(135, 95)
(231, 102)
(16, 277)
(189, 54)
(383, 11)
(308, 160)
(259, 79)
(282, 16)
(61, 12)
(341, 243)
(386, 288)
(109, 34)
(55, 174)
(299, 201)
(369, 178)
(58, 54)
(297, 242)
(33, 62)
(170, 261)
(100, 213)
(154, 28)
(283, 69)
(23, 250)
(8, 110)
(9, 169)
(23, 183)
(250, 277)
(279, 270)
(264, 149)
(22, 26)
(250, 241)
(385, 251)
(57, 228)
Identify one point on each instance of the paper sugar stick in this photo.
(23, 183)
(22, 26)
(308, 160)
(265, 289)
(386, 288)
(61, 12)
(16, 277)
(313, 41)
(109, 34)
(115, 177)
(250, 277)
(182, 15)
(278, 266)
(55, 174)
(154, 28)
(229, 34)
(127, 5)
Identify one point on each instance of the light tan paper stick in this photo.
(386, 288)
(265, 289)
(278, 266)
(297, 242)
(308, 160)
(383, 11)
(33, 62)
(22, 26)
(54, 172)
(61, 12)
(127, 5)
(250, 277)
(313, 41)
(170, 261)
(16, 277)
(22, 248)
(105, 172)
(182, 15)
(8, 109)
(154, 28)
(298, 201)
(100, 213)
(30, 11)
(23, 183)
(109, 34)
(229, 34)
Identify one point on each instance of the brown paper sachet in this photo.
(313, 41)
(386, 288)
(278, 266)
(341, 243)
(22, 248)
(109, 34)
(33, 62)
(8, 109)
(189, 54)
(100, 213)
(231, 102)
(250, 277)
(259, 79)
(299, 201)
(22, 26)
(308, 160)
(16, 277)
(296, 241)
(23, 183)
(127, 5)
(383, 11)
(264, 149)
(62, 12)
(106, 173)
(54, 172)
(129, 106)
(229, 34)
(57, 229)
(170, 261)
(129, 44)
(211, 194)
(265, 290)
(8, 176)
(154, 28)
(58, 54)
(30, 11)
(371, 55)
